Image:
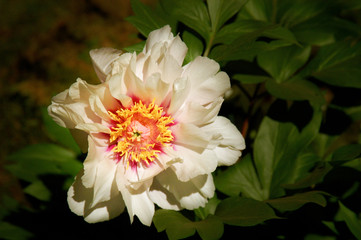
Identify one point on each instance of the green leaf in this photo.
(210, 228)
(38, 190)
(351, 191)
(177, 226)
(296, 201)
(44, 159)
(316, 176)
(9, 231)
(295, 12)
(250, 79)
(222, 10)
(354, 112)
(8, 205)
(289, 60)
(145, 19)
(241, 177)
(346, 153)
(192, 13)
(303, 163)
(295, 89)
(194, 44)
(242, 46)
(58, 133)
(276, 148)
(209, 208)
(316, 31)
(353, 223)
(337, 64)
(257, 10)
(331, 226)
(232, 31)
(244, 212)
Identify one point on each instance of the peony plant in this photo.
(151, 129)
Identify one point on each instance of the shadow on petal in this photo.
(80, 199)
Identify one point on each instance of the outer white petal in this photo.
(190, 194)
(194, 163)
(102, 59)
(105, 176)
(227, 156)
(178, 50)
(137, 201)
(199, 70)
(159, 35)
(162, 197)
(191, 136)
(116, 78)
(80, 199)
(231, 142)
(212, 88)
(72, 106)
(93, 128)
(197, 114)
(96, 153)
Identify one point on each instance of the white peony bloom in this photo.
(150, 128)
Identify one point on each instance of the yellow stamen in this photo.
(140, 132)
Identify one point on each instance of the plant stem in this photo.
(209, 45)
(245, 125)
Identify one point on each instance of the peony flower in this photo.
(150, 128)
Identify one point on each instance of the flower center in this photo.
(140, 132)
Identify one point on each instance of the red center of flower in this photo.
(140, 132)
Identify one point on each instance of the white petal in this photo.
(116, 79)
(178, 50)
(231, 141)
(135, 85)
(141, 174)
(211, 89)
(199, 70)
(80, 199)
(72, 106)
(156, 88)
(162, 197)
(105, 175)
(197, 114)
(102, 59)
(227, 156)
(170, 69)
(191, 136)
(190, 194)
(159, 35)
(181, 89)
(231, 136)
(194, 163)
(93, 127)
(96, 153)
(102, 102)
(137, 201)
